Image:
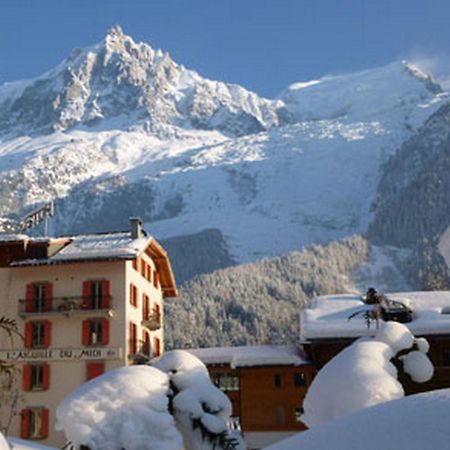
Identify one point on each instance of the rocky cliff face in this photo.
(119, 129)
(129, 82)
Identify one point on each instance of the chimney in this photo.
(136, 227)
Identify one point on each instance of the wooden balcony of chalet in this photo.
(67, 306)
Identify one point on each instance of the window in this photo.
(148, 275)
(95, 332)
(277, 380)
(155, 279)
(143, 268)
(225, 381)
(38, 297)
(34, 423)
(299, 379)
(133, 338)
(135, 264)
(146, 343)
(446, 358)
(279, 415)
(36, 377)
(145, 307)
(156, 347)
(134, 295)
(94, 369)
(37, 334)
(96, 294)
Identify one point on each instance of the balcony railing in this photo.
(152, 321)
(65, 305)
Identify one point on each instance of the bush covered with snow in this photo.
(171, 405)
(364, 374)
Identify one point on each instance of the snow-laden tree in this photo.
(366, 373)
(171, 405)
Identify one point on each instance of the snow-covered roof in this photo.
(13, 237)
(248, 356)
(327, 316)
(94, 246)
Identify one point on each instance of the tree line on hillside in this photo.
(259, 303)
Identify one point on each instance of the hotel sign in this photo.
(60, 354)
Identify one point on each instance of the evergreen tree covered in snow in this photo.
(259, 303)
(171, 405)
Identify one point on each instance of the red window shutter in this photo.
(47, 334)
(135, 264)
(85, 332)
(149, 274)
(29, 306)
(136, 296)
(28, 335)
(44, 423)
(46, 377)
(94, 369)
(25, 423)
(156, 347)
(48, 296)
(26, 377)
(106, 294)
(131, 294)
(105, 331)
(87, 294)
(133, 338)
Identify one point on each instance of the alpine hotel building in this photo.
(84, 304)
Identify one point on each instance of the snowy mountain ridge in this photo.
(119, 129)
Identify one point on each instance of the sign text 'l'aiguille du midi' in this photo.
(60, 354)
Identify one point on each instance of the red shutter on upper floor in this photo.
(87, 294)
(28, 335)
(29, 297)
(26, 377)
(85, 332)
(106, 289)
(46, 377)
(47, 334)
(156, 347)
(25, 423)
(44, 423)
(94, 369)
(105, 331)
(48, 296)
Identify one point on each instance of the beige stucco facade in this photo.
(67, 355)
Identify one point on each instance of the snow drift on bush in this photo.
(170, 406)
(363, 375)
(416, 422)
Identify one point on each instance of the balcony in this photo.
(152, 321)
(66, 306)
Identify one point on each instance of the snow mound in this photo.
(3, 444)
(363, 375)
(396, 335)
(418, 366)
(121, 408)
(200, 409)
(417, 422)
(170, 406)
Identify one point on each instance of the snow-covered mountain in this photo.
(119, 129)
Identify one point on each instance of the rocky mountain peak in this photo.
(121, 79)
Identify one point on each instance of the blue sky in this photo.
(263, 45)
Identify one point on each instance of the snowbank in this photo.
(201, 410)
(20, 444)
(124, 408)
(171, 405)
(363, 375)
(418, 422)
